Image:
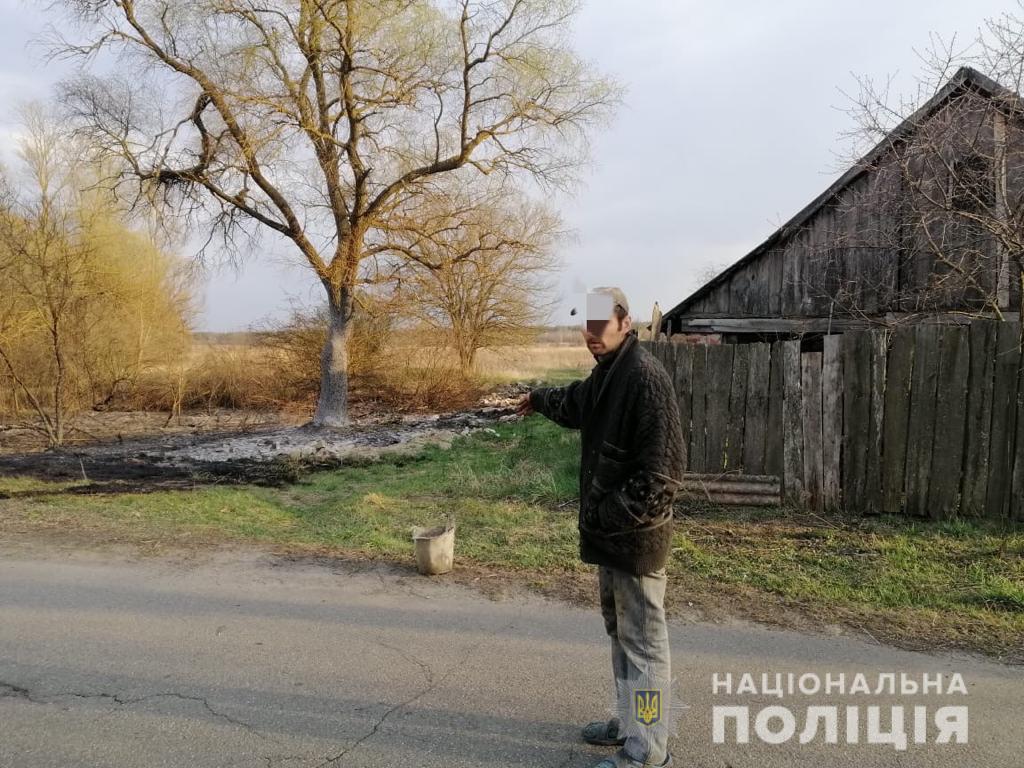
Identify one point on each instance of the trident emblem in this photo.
(647, 704)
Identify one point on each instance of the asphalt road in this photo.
(240, 659)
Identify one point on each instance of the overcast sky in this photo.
(733, 121)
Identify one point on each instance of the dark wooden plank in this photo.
(698, 410)
(756, 418)
(921, 431)
(950, 423)
(856, 416)
(810, 374)
(831, 422)
(792, 428)
(719, 375)
(1016, 507)
(775, 284)
(669, 359)
(660, 350)
(878, 346)
(899, 370)
(1004, 402)
(683, 383)
(773, 458)
(982, 338)
(737, 408)
(792, 255)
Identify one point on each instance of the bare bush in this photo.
(87, 304)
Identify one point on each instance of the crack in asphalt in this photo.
(17, 691)
(431, 684)
(428, 673)
(14, 691)
(271, 760)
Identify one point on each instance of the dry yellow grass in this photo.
(238, 372)
(531, 362)
(249, 375)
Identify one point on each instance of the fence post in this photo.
(719, 373)
(755, 416)
(899, 375)
(878, 346)
(682, 381)
(698, 409)
(737, 407)
(792, 430)
(832, 421)
(921, 431)
(810, 375)
(950, 399)
(974, 485)
(856, 417)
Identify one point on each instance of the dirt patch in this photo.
(99, 427)
(262, 449)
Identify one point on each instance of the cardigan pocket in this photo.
(611, 468)
(614, 452)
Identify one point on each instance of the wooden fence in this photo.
(924, 420)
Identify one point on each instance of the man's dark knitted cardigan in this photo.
(633, 456)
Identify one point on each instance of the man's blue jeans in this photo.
(633, 608)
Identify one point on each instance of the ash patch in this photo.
(264, 455)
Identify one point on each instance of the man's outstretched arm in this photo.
(563, 405)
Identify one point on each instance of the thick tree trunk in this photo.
(332, 403)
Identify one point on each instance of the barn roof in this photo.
(965, 78)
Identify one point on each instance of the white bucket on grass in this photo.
(435, 549)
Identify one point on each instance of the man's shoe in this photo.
(604, 734)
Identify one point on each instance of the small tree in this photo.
(325, 121)
(484, 279)
(86, 304)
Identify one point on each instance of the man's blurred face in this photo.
(604, 331)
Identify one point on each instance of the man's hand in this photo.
(524, 407)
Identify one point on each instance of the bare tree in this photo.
(325, 121)
(483, 280)
(85, 302)
(45, 269)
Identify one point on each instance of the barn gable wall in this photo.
(878, 246)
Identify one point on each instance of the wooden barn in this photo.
(927, 225)
(868, 354)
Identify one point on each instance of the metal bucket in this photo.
(435, 549)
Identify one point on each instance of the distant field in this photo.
(538, 361)
(541, 360)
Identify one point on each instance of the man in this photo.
(631, 466)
